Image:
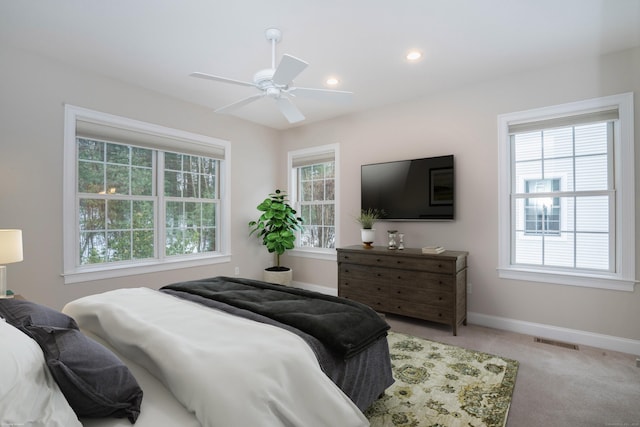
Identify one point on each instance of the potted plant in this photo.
(367, 219)
(276, 227)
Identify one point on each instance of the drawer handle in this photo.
(439, 314)
(379, 289)
(399, 261)
(399, 292)
(439, 265)
(378, 260)
(379, 274)
(399, 277)
(439, 298)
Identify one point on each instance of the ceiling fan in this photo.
(276, 83)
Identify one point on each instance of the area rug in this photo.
(439, 385)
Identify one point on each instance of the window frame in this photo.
(292, 185)
(183, 140)
(623, 275)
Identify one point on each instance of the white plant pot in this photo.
(278, 277)
(368, 236)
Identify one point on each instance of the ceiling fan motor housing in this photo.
(273, 34)
(263, 79)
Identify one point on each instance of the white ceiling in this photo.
(156, 44)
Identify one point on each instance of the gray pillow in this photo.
(21, 312)
(95, 382)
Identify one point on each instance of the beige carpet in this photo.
(443, 385)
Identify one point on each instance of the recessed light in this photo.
(414, 55)
(332, 81)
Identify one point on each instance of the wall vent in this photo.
(556, 343)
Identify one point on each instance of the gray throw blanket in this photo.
(346, 327)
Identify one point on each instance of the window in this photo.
(313, 184)
(140, 197)
(567, 192)
(542, 214)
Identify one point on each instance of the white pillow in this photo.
(28, 394)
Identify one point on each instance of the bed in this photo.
(214, 352)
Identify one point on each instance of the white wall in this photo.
(463, 122)
(33, 92)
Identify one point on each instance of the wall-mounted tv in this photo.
(410, 190)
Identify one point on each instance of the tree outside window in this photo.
(316, 202)
(117, 203)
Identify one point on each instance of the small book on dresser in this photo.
(432, 250)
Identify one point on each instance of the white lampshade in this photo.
(10, 246)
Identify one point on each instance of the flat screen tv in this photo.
(410, 190)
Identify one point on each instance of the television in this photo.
(410, 190)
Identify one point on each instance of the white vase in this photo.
(368, 236)
(278, 277)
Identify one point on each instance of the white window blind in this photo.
(148, 138)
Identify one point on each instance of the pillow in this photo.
(21, 312)
(29, 396)
(95, 381)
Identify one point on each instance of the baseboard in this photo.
(574, 336)
(317, 288)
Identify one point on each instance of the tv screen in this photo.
(418, 189)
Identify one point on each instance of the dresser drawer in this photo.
(358, 286)
(366, 273)
(420, 311)
(391, 277)
(442, 265)
(423, 280)
(374, 297)
(424, 295)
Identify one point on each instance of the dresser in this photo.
(406, 282)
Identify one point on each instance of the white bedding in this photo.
(229, 371)
(29, 396)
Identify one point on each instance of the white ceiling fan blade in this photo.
(290, 111)
(221, 79)
(239, 104)
(288, 69)
(321, 94)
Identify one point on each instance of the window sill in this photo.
(315, 253)
(557, 278)
(108, 272)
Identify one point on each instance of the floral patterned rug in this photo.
(439, 385)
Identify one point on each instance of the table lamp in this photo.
(10, 251)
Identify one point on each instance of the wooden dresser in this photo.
(406, 282)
